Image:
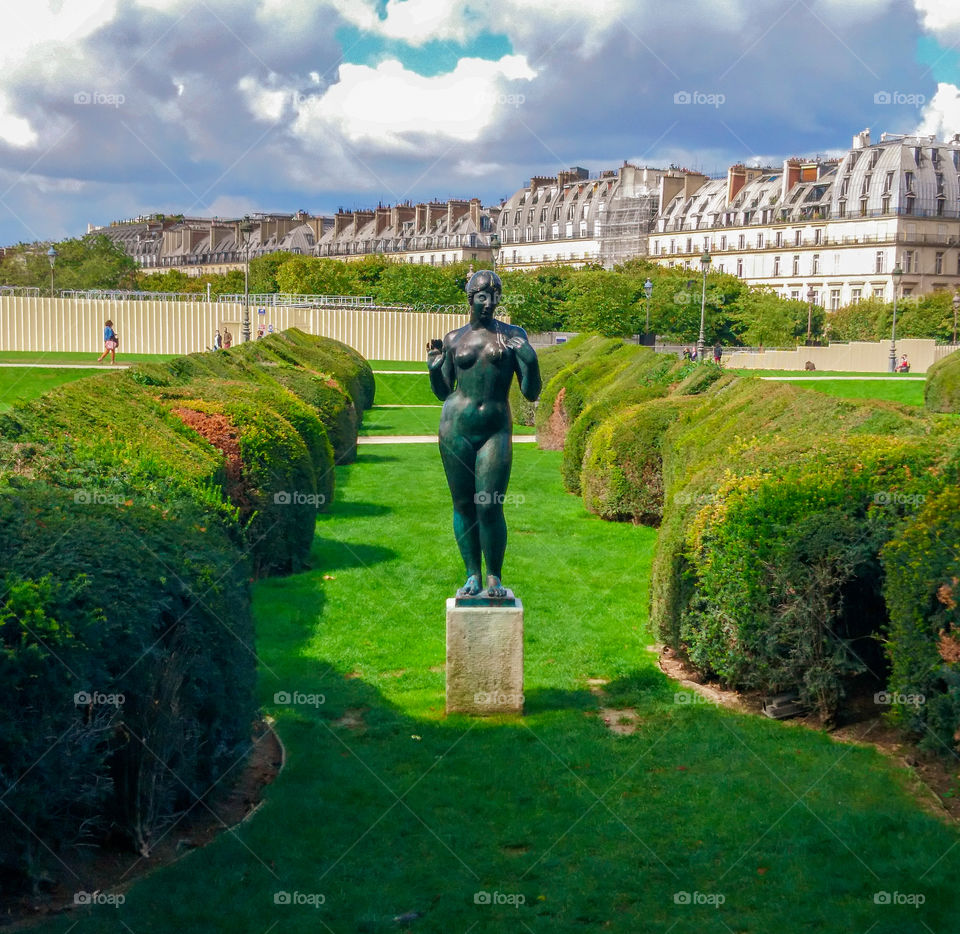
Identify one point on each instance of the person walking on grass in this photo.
(717, 353)
(110, 342)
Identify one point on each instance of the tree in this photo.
(91, 262)
(602, 301)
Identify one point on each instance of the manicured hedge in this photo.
(941, 391)
(776, 506)
(135, 508)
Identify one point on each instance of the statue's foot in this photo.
(471, 588)
(494, 587)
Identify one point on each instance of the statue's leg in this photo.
(459, 463)
(493, 474)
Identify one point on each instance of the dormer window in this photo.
(908, 180)
(874, 157)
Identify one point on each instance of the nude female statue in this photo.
(471, 370)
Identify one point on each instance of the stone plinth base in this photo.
(484, 659)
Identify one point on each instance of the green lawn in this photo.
(19, 383)
(420, 365)
(819, 373)
(386, 809)
(56, 356)
(400, 421)
(890, 389)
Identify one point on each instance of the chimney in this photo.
(420, 218)
(670, 186)
(400, 214)
(382, 220)
(692, 182)
(861, 140)
(455, 210)
(434, 213)
(736, 179)
(475, 212)
(361, 219)
(792, 174)
(809, 172)
(340, 222)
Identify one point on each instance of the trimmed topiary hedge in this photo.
(941, 391)
(135, 508)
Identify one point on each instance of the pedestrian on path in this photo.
(110, 342)
(227, 338)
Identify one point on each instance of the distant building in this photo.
(830, 230)
(573, 219)
(436, 233)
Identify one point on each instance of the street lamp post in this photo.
(701, 340)
(494, 249)
(956, 306)
(811, 295)
(897, 274)
(246, 228)
(52, 256)
(648, 291)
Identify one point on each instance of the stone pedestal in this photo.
(484, 659)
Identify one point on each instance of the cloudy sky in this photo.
(114, 108)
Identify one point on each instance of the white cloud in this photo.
(13, 129)
(941, 116)
(939, 15)
(389, 104)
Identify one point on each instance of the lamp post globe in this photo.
(52, 256)
(648, 291)
(701, 340)
(246, 228)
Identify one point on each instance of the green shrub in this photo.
(622, 474)
(941, 391)
(922, 566)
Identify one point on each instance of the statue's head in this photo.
(484, 279)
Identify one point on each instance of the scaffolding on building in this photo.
(626, 229)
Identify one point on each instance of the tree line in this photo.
(549, 298)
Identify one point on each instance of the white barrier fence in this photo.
(175, 327)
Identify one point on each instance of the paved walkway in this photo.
(70, 366)
(805, 379)
(426, 439)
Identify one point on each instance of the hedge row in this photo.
(806, 543)
(135, 509)
(941, 391)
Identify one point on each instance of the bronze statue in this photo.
(471, 370)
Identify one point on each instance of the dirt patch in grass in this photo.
(624, 721)
(352, 719)
(113, 868)
(555, 431)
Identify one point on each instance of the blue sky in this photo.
(114, 108)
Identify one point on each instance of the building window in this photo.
(778, 239)
(878, 263)
(855, 296)
(741, 242)
(888, 182)
(818, 236)
(938, 263)
(878, 292)
(673, 246)
(795, 295)
(863, 207)
(543, 232)
(529, 234)
(739, 268)
(815, 265)
(842, 209)
(796, 265)
(908, 261)
(759, 241)
(583, 228)
(885, 204)
(543, 215)
(776, 265)
(723, 241)
(834, 299)
(797, 237)
(689, 245)
(568, 229)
